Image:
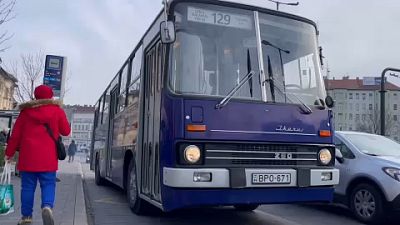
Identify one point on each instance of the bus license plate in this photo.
(271, 178)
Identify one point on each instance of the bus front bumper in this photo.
(247, 178)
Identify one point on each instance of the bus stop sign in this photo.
(54, 73)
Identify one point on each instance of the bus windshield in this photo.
(216, 47)
(290, 60)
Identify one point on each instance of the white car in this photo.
(369, 167)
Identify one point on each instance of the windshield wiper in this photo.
(371, 154)
(246, 78)
(271, 79)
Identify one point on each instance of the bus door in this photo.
(150, 169)
(113, 111)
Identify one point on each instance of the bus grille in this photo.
(260, 154)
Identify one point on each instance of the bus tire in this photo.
(97, 177)
(137, 205)
(246, 207)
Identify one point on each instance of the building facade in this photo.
(8, 83)
(358, 105)
(82, 120)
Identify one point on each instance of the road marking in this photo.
(277, 218)
(109, 200)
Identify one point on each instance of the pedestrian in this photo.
(3, 136)
(71, 151)
(37, 157)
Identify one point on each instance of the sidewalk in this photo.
(70, 202)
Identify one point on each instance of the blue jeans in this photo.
(29, 180)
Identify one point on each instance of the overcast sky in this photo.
(359, 37)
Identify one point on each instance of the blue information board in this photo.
(53, 73)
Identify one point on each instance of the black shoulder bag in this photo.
(61, 154)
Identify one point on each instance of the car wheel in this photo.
(97, 177)
(366, 202)
(246, 207)
(137, 205)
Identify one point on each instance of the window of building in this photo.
(357, 117)
(395, 117)
(340, 115)
(350, 95)
(350, 116)
(370, 94)
(394, 106)
(364, 117)
(370, 106)
(364, 96)
(350, 128)
(357, 107)
(357, 96)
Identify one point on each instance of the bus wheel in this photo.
(137, 205)
(97, 177)
(246, 207)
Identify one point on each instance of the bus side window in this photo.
(160, 66)
(123, 87)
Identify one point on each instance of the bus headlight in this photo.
(324, 156)
(192, 154)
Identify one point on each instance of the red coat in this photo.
(37, 150)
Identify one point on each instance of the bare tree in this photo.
(6, 14)
(372, 122)
(29, 71)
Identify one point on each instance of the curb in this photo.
(80, 217)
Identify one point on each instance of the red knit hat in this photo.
(43, 92)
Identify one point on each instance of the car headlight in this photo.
(192, 154)
(324, 156)
(392, 172)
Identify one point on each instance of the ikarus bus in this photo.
(220, 103)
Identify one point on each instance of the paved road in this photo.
(107, 205)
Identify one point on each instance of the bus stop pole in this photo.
(383, 91)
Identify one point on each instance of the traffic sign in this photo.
(54, 73)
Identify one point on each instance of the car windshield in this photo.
(210, 55)
(374, 144)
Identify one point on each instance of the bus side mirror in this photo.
(339, 156)
(167, 30)
(329, 102)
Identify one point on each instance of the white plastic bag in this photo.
(6, 191)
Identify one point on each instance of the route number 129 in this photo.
(222, 19)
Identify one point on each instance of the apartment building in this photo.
(358, 105)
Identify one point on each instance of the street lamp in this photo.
(283, 3)
(382, 91)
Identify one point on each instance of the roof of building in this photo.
(7, 75)
(80, 108)
(357, 84)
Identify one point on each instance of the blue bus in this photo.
(220, 103)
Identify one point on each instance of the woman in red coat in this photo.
(37, 150)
